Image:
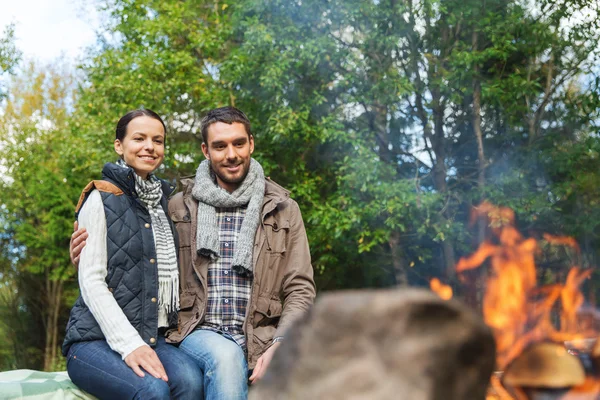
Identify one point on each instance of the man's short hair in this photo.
(228, 115)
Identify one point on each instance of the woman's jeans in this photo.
(98, 370)
(222, 362)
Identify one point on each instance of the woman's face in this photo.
(143, 147)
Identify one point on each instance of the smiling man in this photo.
(244, 260)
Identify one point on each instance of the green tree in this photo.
(421, 109)
(9, 54)
(38, 195)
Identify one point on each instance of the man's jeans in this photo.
(223, 363)
(98, 370)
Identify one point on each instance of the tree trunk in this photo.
(53, 296)
(434, 133)
(398, 261)
(478, 133)
(439, 179)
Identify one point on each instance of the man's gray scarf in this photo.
(211, 196)
(149, 191)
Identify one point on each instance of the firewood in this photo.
(544, 365)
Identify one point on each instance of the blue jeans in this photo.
(100, 371)
(222, 362)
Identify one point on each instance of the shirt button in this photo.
(226, 244)
(226, 300)
(153, 300)
(226, 329)
(152, 261)
(226, 272)
(147, 225)
(152, 340)
(228, 219)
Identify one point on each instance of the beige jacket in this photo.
(283, 287)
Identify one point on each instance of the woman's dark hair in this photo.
(121, 130)
(228, 115)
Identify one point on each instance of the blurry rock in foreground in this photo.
(386, 344)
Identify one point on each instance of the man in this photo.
(244, 260)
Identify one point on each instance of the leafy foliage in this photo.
(38, 193)
(9, 54)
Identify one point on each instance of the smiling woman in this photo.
(143, 149)
(128, 277)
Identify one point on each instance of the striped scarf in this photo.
(150, 193)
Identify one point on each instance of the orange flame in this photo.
(442, 290)
(517, 310)
(561, 240)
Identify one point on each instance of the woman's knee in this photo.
(187, 383)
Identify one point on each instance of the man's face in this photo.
(228, 149)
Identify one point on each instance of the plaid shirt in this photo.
(228, 293)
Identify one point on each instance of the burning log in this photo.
(544, 365)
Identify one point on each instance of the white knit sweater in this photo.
(121, 336)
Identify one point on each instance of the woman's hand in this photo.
(146, 358)
(77, 243)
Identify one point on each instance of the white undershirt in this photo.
(121, 336)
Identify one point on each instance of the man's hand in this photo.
(263, 363)
(146, 358)
(77, 243)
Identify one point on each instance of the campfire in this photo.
(543, 350)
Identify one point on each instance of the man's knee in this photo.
(153, 389)
(228, 376)
(230, 358)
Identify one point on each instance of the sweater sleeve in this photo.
(120, 335)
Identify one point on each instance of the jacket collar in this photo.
(274, 194)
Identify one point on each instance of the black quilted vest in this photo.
(132, 271)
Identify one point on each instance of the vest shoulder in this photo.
(101, 186)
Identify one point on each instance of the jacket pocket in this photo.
(187, 301)
(263, 337)
(276, 232)
(188, 311)
(183, 224)
(268, 311)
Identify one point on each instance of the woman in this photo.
(128, 277)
